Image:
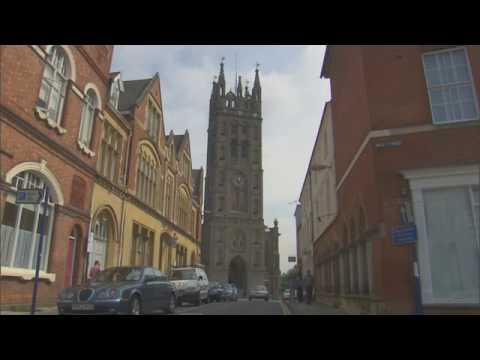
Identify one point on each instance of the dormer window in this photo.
(114, 95)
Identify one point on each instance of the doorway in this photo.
(237, 275)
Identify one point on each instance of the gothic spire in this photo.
(257, 89)
(239, 87)
(221, 78)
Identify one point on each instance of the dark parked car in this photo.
(120, 290)
(228, 293)
(235, 292)
(215, 292)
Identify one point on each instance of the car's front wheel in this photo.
(171, 305)
(135, 307)
(266, 299)
(198, 300)
(249, 299)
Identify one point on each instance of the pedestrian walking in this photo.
(299, 288)
(308, 284)
(94, 270)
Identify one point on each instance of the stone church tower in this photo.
(234, 234)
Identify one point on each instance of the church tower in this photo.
(234, 231)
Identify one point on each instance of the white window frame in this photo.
(427, 179)
(472, 83)
(63, 77)
(38, 210)
(88, 117)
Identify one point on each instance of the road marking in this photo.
(285, 308)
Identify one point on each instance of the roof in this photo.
(113, 75)
(324, 73)
(133, 91)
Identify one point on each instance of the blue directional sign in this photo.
(404, 235)
(29, 196)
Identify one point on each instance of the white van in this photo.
(191, 284)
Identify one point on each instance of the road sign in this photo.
(29, 196)
(405, 235)
(292, 259)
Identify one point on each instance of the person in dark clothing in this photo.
(308, 284)
(299, 288)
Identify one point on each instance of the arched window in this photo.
(184, 209)
(88, 116)
(54, 83)
(239, 193)
(102, 231)
(21, 223)
(147, 177)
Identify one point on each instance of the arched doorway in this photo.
(237, 274)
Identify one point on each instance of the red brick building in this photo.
(50, 97)
(407, 151)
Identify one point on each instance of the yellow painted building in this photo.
(146, 206)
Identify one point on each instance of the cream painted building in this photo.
(317, 206)
(146, 206)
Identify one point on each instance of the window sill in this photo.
(42, 115)
(26, 274)
(85, 149)
(457, 122)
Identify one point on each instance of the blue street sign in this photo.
(29, 196)
(404, 235)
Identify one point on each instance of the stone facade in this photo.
(234, 231)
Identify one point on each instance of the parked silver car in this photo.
(260, 292)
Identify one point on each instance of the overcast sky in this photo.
(293, 98)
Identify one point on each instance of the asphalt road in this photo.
(240, 307)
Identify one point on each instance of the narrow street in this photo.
(240, 307)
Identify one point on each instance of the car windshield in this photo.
(183, 275)
(260, 288)
(118, 274)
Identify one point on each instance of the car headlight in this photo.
(108, 294)
(66, 294)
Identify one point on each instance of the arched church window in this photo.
(239, 193)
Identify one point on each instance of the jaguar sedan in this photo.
(120, 290)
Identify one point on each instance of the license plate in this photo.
(83, 307)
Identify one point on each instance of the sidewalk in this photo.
(314, 308)
(40, 311)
